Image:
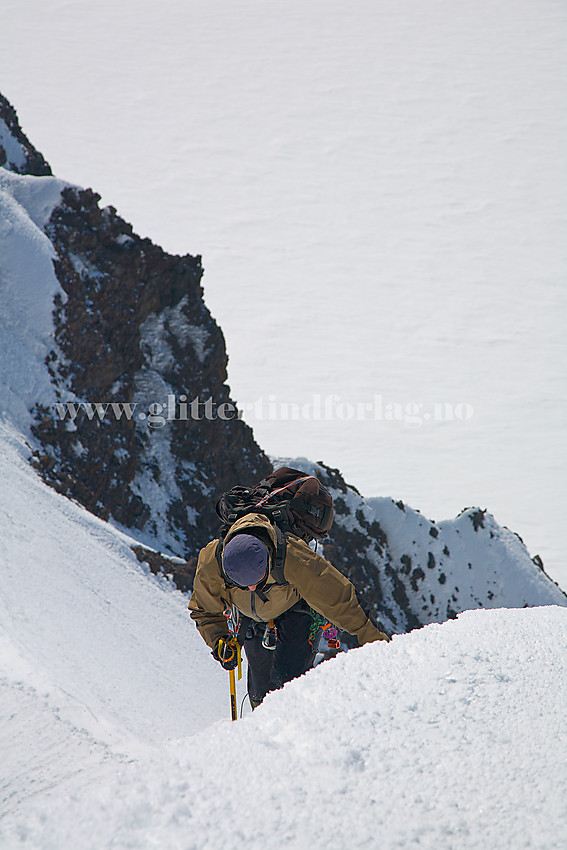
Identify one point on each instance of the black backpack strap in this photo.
(279, 557)
(220, 542)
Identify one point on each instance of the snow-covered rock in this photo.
(94, 315)
(414, 571)
(16, 151)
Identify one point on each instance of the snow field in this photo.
(450, 737)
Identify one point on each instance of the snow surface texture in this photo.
(452, 736)
(84, 612)
(383, 181)
(27, 288)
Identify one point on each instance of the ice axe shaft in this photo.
(233, 707)
(232, 646)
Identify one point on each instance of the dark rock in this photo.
(115, 283)
(34, 163)
(477, 519)
(181, 572)
(416, 576)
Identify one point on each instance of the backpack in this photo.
(295, 502)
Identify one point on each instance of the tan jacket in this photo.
(310, 577)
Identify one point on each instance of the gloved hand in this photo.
(226, 652)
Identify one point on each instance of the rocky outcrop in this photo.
(181, 572)
(16, 151)
(133, 335)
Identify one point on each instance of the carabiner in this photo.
(270, 636)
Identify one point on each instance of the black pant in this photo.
(269, 669)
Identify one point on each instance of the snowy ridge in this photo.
(416, 571)
(28, 285)
(467, 562)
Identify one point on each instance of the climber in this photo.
(271, 589)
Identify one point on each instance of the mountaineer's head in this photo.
(245, 560)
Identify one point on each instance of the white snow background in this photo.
(378, 192)
(113, 716)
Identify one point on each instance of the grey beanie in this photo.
(245, 560)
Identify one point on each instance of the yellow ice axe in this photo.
(227, 648)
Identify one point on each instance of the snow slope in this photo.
(384, 181)
(78, 611)
(452, 736)
(114, 729)
(27, 288)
